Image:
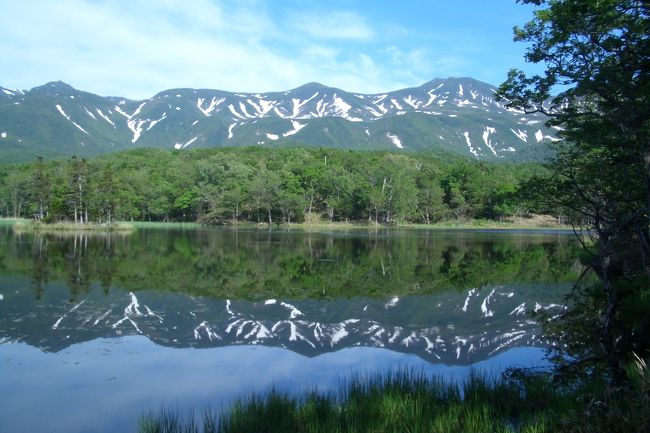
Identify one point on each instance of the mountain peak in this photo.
(310, 85)
(454, 114)
(54, 87)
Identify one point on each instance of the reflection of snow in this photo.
(393, 301)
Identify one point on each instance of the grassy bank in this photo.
(315, 224)
(398, 402)
(13, 221)
(34, 226)
(318, 224)
(165, 225)
(410, 402)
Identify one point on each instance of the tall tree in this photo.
(106, 193)
(39, 188)
(597, 60)
(78, 188)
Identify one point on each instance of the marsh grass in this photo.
(395, 402)
(13, 221)
(35, 226)
(166, 225)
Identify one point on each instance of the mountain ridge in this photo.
(457, 114)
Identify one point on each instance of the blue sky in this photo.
(137, 48)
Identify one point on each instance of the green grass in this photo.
(34, 226)
(397, 402)
(340, 225)
(409, 402)
(165, 225)
(12, 221)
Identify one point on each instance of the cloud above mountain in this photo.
(137, 47)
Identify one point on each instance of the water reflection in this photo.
(457, 298)
(452, 327)
(261, 264)
(94, 329)
(108, 383)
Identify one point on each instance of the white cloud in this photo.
(333, 25)
(138, 48)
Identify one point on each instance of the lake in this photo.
(96, 329)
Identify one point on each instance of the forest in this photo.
(262, 185)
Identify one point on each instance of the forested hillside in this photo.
(263, 185)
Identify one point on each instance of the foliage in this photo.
(410, 402)
(223, 186)
(597, 54)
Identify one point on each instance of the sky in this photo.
(137, 48)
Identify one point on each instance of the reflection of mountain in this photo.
(451, 327)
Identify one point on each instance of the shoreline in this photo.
(25, 225)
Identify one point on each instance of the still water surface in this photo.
(96, 329)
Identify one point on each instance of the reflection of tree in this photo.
(78, 265)
(107, 265)
(261, 264)
(40, 266)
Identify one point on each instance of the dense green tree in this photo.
(596, 88)
(220, 186)
(106, 198)
(15, 197)
(78, 188)
(39, 188)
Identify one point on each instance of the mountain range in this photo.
(460, 115)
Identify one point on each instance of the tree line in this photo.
(264, 185)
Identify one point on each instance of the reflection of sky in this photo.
(104, 385)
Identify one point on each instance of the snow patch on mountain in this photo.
(214, 103)
(432, 97)
(522, 135)
(265, 106)
(469, 144)
(105, 117)
(136, 127)
(137, 110)
(342, 109)
(412, 102)
(297, 126)
(242, 107)
(396, 104)
(486, 138)
(123, 113)
(63, 113)
(395, 140)
(90, 113)
(190, 142)
(154, 122)
(298, 104)
(234, 111)
(280, 114)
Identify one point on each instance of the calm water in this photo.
(94, 330)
